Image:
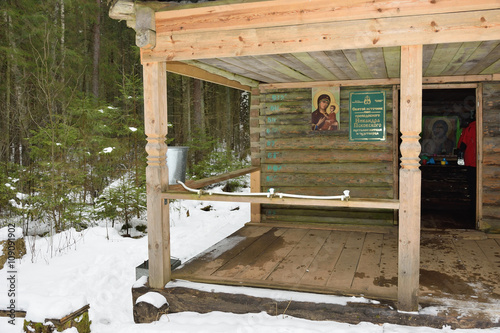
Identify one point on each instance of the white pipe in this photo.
(270, 194)
(341, 197)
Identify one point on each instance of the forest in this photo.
(71, 117)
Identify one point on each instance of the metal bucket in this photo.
(176, 163)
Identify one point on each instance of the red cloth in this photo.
(468, 137)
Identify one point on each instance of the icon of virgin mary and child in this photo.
(324, 118)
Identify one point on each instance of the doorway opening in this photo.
(448, 192)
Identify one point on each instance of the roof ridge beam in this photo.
(273, 13)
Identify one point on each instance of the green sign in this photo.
(367, 116)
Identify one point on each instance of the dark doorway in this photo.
(448, 199)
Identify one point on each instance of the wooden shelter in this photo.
(284, 50)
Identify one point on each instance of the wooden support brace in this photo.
(410, 178)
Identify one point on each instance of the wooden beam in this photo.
(122, 10)
(459, 79)
(139, 17)
(340, 83)
(202, 74)
(262, 14)
(410, 177)
(155, 121)
(437, 81)
(351, 203)
(255, 187)
(195, 184)
(333, 35)
(145, 27)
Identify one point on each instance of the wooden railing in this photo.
(178, 192)
(213, 180)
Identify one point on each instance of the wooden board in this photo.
(343, 272)
(476, 264)
(265, 263)
(490, 205)
(293, 267)
(369, 262)
(324, 262)
(454, 266)
(440, 274)
(241, 262)
(388, 273)
(222, 252)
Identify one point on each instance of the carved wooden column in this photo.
(155, 120)
(410, 178)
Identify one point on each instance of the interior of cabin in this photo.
(448, 200)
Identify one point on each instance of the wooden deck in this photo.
(456, 266)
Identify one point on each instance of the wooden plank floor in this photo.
(454, 265)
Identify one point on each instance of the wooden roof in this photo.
(471, 58)
(286, 41)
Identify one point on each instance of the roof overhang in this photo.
(289, 41)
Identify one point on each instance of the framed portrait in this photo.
(439, 135)
(325, 113)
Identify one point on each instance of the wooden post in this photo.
(410, 178)
(255, 185)
(479, 155)
(155, 121)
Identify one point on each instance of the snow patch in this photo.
(278, 295)
(38, 308)
(141, 282)
(153, 298)
(108, 150)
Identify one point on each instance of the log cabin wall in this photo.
(296, 160)
(491, 157)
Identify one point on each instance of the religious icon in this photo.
(325, 115)
(439, 135)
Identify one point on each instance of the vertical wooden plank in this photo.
(323, 264)
(266, 262)
(388, 262)
(368, 268)
(155, 121)
(293, 267)
(410, 178)
(255, 185)
(242, 261)
(345, 268)
(479, 165)
(395, 146)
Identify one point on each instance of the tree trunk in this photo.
(5, 143)
(228, 121)
(62, 40)
(96, 53)
(186, 108)
(199, 121)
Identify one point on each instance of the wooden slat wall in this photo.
(296, 160)
(491, 156)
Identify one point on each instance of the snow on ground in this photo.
(97, 266)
